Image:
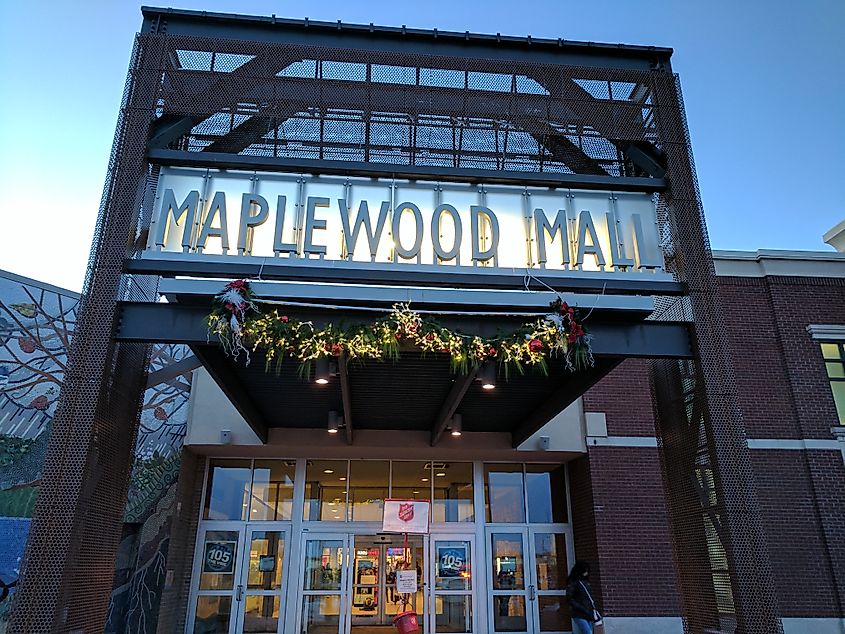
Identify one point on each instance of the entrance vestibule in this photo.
(495, 559)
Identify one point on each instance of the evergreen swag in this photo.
(240, 326)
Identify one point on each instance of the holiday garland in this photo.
(240, 326)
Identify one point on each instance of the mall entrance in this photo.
(297, 547)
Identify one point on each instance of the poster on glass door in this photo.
(219, 557)
(405, 516)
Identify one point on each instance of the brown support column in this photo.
(76, 527)
(741, 530)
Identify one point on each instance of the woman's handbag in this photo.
(597, 617)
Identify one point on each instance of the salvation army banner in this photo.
(405, 516)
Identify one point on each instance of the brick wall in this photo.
(174, 602)
(625, 397)
(632, 539)
(802, 522)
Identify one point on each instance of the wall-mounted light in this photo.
(487, 375)
(456, 425)
(322, 371)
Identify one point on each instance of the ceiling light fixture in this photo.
(456, 425)
(335, 422)
(487, 375)
(321, 370)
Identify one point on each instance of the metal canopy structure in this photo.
(410, 394)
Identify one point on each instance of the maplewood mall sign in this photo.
(228, 213)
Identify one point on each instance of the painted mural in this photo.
(37, 322)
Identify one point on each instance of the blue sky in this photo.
(763, 81)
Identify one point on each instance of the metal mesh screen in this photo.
(69, 563)
(217, 95)
(296, 101)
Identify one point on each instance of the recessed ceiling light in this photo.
(425, 479)
(328, 470)
(343, 479)
(440, 475)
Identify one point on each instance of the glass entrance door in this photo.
(241, 578)
(452, 583)
(260, 595)
(375, 599)
(528, 569)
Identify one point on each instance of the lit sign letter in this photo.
(476, 212)
(585, 226)
(617, 255)
(646, 258)
(249, 220)
(542, 226)
(401, 251)
(279, 245)
(218, 207)
(312, 224)
(350, 236)
(439, 251)
(169, 209)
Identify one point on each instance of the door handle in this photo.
(532, 595)
(239, 595)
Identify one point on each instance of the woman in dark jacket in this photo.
(580, 599)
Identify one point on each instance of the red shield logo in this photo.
(406, 512)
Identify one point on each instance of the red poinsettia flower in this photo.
(285, 319)
(238, 284)
(535, 345)
(492, 351)
(398, 336)
(336, 349)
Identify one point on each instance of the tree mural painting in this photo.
(37, 322)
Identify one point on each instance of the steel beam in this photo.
(346, 397)
(220, 160)
(221, 370)
(177, 323)
(561, 398)
(450, 405)
(309, 270)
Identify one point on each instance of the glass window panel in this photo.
(503, 493)
(506, 554)
(266, 558)
(227, 489)
(325, 490)
(368, 489)
(410, 480)
(261, 614)
(452, 566)
(323, 563)
(320, 614)
(830, 351)
(554, 615)
(219, 556)
(546, 486)
(212, 616)
(835, 370)
(453, 493)
(838, 388)
(509, 613)
(272, 490)
(550, 558)
(453, 613)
